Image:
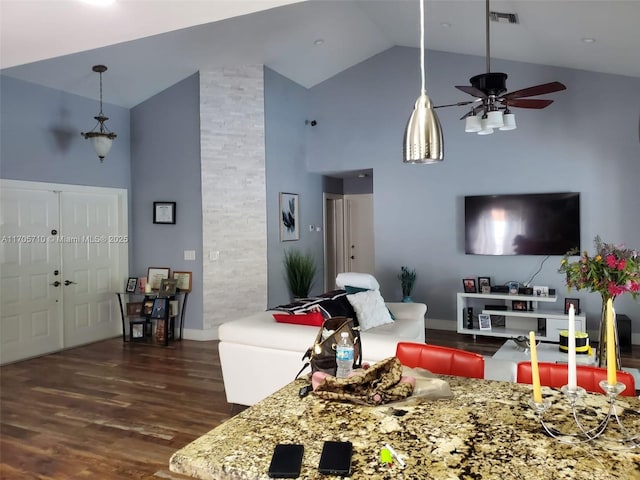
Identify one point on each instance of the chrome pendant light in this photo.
(423, 134)
(101, 139)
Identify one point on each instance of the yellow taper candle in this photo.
(611, 346)
(535, 372)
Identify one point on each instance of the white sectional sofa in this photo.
(259, 356)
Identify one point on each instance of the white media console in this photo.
(546, 322)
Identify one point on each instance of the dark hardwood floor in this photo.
(118, 411)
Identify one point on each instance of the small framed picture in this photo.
(572, 301)
(184, 281)
(160, 306)
(513, 288)
(484, 321)
(164, 212)
(289, 217)
(155, 276)
(134, 309)
(132, 283)
(484, 282)
(167, 287)
(147, 307)
(520, 305)
(136, 330)
(469, 285)
(539, 291)
(142, 284)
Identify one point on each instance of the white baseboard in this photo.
(200, 335)
(450, 325)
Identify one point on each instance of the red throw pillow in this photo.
(313, 319)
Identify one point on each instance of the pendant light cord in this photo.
(422, 46)
(101, 114)
(488, 41)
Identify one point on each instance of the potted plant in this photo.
(300, 270)
(407, 280)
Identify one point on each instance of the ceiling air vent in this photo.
(503, 17)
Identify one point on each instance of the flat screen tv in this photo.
(522, 224)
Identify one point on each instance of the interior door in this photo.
(30, 293)
(90, 257)
(359, 241)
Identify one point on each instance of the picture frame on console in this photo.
(571, 301)
(132, 283)
(484, 321)
(484, 284)
(520, 305)
(469, 285)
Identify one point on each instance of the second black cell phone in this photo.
(286, 461)
(336, 458)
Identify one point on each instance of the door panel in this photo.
(30, 322)
(359, 228)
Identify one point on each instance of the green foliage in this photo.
(407, 280)
(300, 270)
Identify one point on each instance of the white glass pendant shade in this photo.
(509, 122)
(423, 134)
(494, 119)
(486, 131)
(102, 145)
(472, 124)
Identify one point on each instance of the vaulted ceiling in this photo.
(150, 45)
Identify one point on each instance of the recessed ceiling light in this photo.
(445, 24)
(99, 3)
(589, 40)
(318, 41)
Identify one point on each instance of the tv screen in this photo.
(526, 224)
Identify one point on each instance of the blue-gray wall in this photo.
(41, 142)
(285, 139)
(165, 166)
(587, 142)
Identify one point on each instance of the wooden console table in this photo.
(180, 296)
(486, 431)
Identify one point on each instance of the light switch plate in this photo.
(189, 254)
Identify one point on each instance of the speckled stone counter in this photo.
(487, 431)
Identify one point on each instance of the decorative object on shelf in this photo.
(184, 280)
(159, 308)
(132, 283)
(522, 343)
(513, 288)
(520, 305)
(407, 280)
(300, 270)
(155, 276)
(142, 284)
(101, 139)
(613, 270)
(134, 309)
(571, 301)
(423, 141)
(136, 330)
(167, 287)
(484, 321)
(289, 217)
(484, 284)
(164, 213)
(469, 285)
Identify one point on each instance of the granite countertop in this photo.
(486, 431)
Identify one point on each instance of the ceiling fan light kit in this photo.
(423, 142)
(491, 108)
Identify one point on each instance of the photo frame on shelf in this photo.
(160, 306)
(519, 305)
(164, 213)
(484, 321)
(167, 287)
(142, 284)
(184, 280)
(571, 301)
(469, 285)
(147, 307)
(155, 276)
(136, 331)
(289, 217)
(132, 283)
(484, 282)
(539, 291)
(134, 309)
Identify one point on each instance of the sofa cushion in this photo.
(362, 280)
(370, 309)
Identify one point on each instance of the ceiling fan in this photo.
(492, 100)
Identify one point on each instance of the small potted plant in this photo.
(407, 280)
(300, 270)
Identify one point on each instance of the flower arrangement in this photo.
(407, 279)
(613, 270)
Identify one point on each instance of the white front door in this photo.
(75, 236)
(30, 304)
(91, 245)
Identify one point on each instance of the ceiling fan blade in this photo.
(536, 90)
(528, 103)
(471, 91)
(459, 104)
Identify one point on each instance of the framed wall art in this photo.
(289, 217)
(183, 281)
(167, 287)
(164, 212)
(155, 276)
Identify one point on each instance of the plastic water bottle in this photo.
(344, 356)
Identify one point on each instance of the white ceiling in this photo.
(149, 45)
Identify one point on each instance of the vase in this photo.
(603, 343)
(407, 299)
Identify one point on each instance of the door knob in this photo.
(55, 284)
(353, 257)
(69, 282)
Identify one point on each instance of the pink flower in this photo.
(611, 261)
(622, 264)
(634, 287)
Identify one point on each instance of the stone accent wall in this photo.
(233, 193)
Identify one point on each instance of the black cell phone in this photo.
(336, 458)
(286, 461)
